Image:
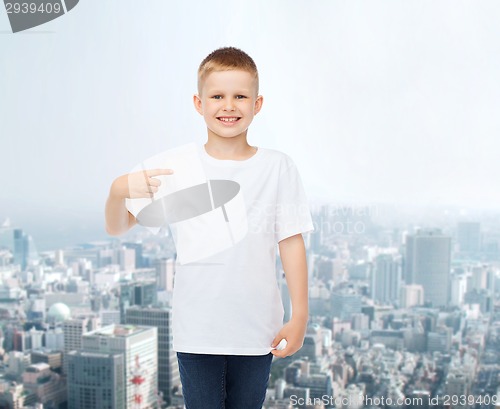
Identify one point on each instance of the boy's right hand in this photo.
(141, 184)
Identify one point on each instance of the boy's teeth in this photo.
(228, 119)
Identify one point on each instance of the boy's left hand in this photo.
(293, 331)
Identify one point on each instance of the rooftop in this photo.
(116, 330)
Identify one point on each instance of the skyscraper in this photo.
(165, 269)
(126, 258)
(139, 262)
(161, 318)
(139, 346)
(458, 288)
(428, 259)
(469, 237)
(21, 248)
(96, 380)
(137, 293)
(386, 279)
(73, 332)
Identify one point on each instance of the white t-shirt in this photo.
(228, 302)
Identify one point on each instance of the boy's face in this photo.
(228, 102)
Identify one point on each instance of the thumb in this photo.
(277, 339)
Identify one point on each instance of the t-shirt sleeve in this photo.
(292, 209)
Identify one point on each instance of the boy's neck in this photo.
(236, 148)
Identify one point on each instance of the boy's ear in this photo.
(197, 104)
(258, 104)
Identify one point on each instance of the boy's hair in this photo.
(225, 59)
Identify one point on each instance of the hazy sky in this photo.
(376, 101)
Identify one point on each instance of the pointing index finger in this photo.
(158, 172)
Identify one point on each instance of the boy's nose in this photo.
(229, 105)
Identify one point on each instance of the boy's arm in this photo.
(140, 184)
(118, 219)
(293, 259)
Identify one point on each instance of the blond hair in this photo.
(225, 59)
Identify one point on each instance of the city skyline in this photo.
(377, 328)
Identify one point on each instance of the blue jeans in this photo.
(224, 381)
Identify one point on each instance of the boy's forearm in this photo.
(118, 218)
(293, 259)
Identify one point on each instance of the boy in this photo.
(227, 313)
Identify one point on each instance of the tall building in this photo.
(386, 279)
(22, 341)
(330, 269)
(139, 261)
(142, 293)
(457, 384)
(36, 308)
(73, 332)
(458, 289)
(96, 380)
(313, 342)
(345, 303)
(24, 249)
(126, 258)
(54, 339)
(21, 248)
(165, 268)
(428, 259)
(469, 237)
(36, 338)
(139, 346)
(59, 257)
(161, 318)
(360, 322)
(478, 279)
(412, 295)
(106, 257)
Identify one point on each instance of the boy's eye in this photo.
(237, 97)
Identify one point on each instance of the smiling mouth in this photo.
(229, 119)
